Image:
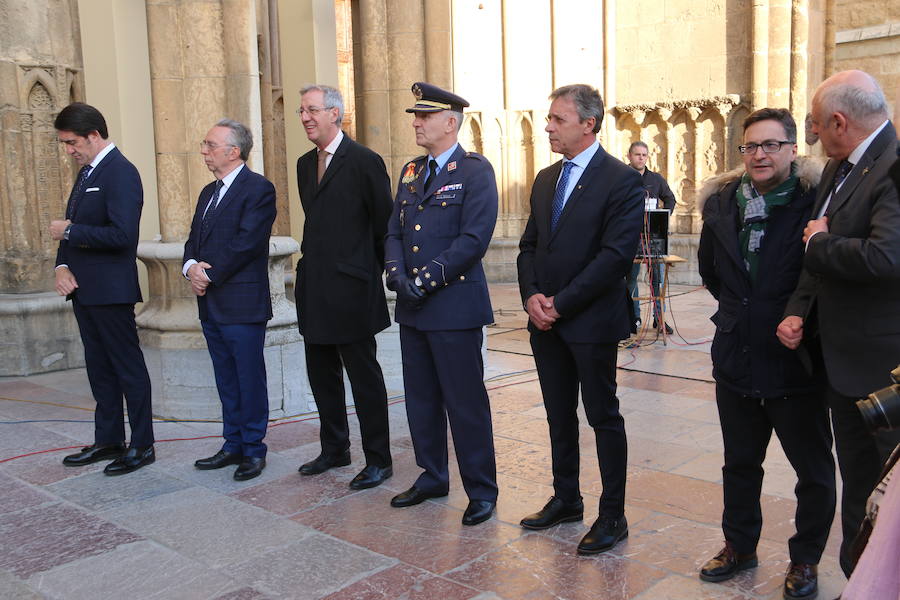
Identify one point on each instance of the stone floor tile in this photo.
(673, 543)
(706, 436)
(406, 582)
(529, 429)
(529, 462)
(17, 495)
(214, 529)
(24, 438)
(96, 491)
(679, 587)
(536, 566)
(675, 495)
(658, 427)
(13, 588)
(295, 493)
(143, 570)
(42, 537)
(287, 434)
(222, 480)
(309, 569)
(244, 593)
(429, 535)
(706, 466)
(660, 456)
(43, 469)
(656, 402)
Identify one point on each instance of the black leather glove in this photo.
(409, 294)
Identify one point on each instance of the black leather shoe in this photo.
(665, 326)
(554, 512)
(413, 496)
(604, 534)
(218, 460)
(94, 453)
(251, 466)
(371, 476)
(726, 564)
(132, 460)
(478, 511)
(323, 462)
(801, 582)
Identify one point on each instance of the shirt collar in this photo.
(101, 155)
(858, 152)
(332, 147)
(584, 157)
(229, 179)
(444, 157)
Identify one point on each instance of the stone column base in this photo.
(38, 333)
(685, 245)
(500, 260)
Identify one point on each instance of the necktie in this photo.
(77, 190)
(320, 168)
(432, 169)
(842, 171)
(211, 207)
(560, 195)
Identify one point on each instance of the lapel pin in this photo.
(451, 167)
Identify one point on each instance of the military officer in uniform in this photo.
(442, 222)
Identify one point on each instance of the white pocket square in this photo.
(94, 189)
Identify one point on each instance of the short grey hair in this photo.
(863, 107)
(330, 95)
(238, 136)
(588, 102)
(459, 118)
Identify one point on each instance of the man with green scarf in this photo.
(751, 254)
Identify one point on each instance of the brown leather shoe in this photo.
(726, 564)
(801, 582)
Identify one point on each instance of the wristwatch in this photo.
(66, 231)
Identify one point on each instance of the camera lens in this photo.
(881, 410)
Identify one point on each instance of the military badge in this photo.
(451, 166)
(410, 174)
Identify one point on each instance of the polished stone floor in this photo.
(169, 531)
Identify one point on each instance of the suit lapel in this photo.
(880, 144)
(234, 191)
(338, 160)
(586, 179)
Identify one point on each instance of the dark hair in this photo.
(782, 115)
(587, 100)
(637, 143)
(81, 119)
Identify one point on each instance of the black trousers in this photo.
(801, 424)
(562, 368)
(115, 368)
(325, 364)
(861, 456)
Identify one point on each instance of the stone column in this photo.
(204, 65)
(406, 64)
(373, 81)
(799, 66)
(779, 60)
(438, 43)
(759, 41)
(40, 73)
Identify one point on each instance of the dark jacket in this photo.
(236, 244)
(582, 263)
(656, 187)
(339, 292)
(101, 250)
(747, 356)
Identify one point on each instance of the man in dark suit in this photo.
(442, 223)
(578, 246)
(96, 269)
(848, 298)
(346, 196)
(226, 261)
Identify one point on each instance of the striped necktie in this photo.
(559, 197)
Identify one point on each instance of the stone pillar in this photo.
(759, 75)
(406, 64)
(204, 65)
(439, 43)
(799, 66)
(779, 60)
(40, 73)
(373, 81)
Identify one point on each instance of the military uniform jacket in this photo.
(440, 235)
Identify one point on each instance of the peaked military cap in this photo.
(431, 98)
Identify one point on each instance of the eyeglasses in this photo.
(312, 110)
(769, 147)
(204, 145)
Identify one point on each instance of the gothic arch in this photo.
(710, 153)
(734, 135)
(470, 136)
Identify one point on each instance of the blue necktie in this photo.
(77, 190)
(842, 171)
(560, 196)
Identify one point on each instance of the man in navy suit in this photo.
(440, 228)
(96, 269)
(226, 261)
(578, 245)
